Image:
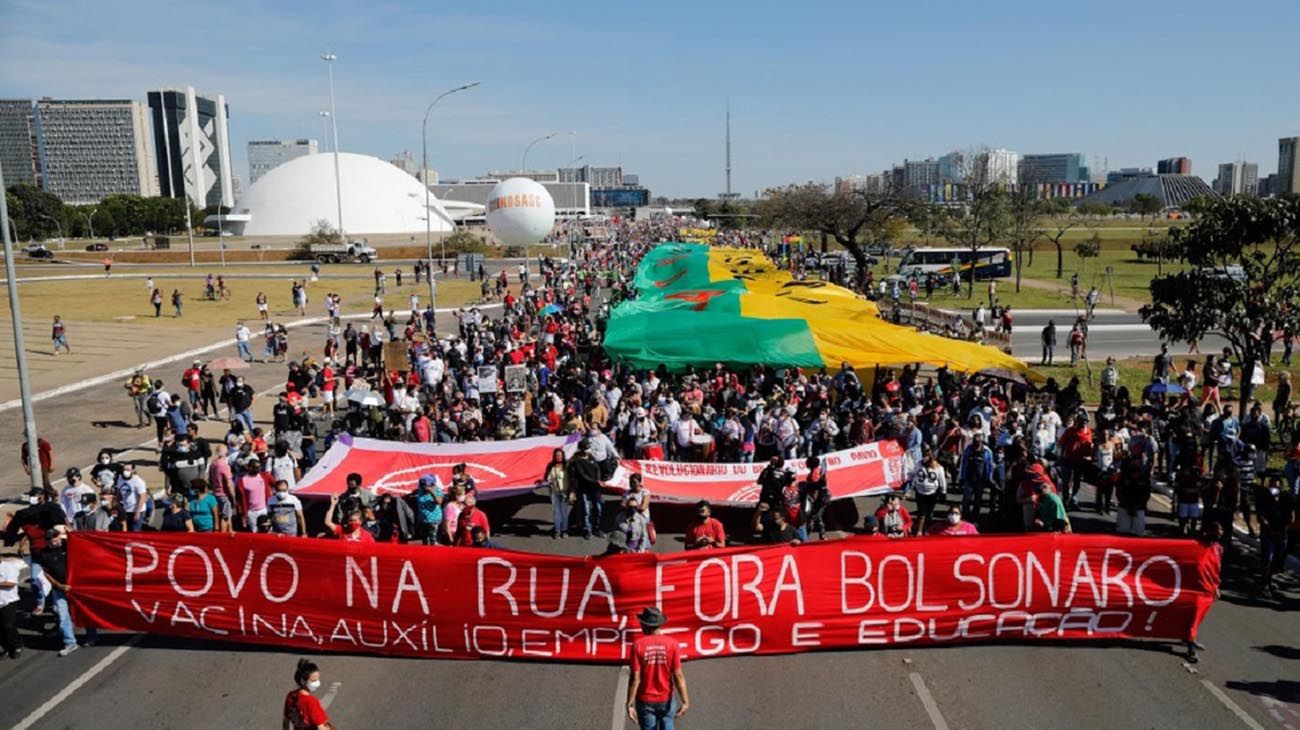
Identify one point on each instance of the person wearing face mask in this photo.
(302, 711)
(34, 523)
(105, 471)
(954, 525)
(469, 518)
(351, 530)
(1276, 510)
(240, 400)
(286, 512)
(73, 494)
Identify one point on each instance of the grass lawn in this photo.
(106, 300)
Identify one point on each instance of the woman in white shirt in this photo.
(930, 483)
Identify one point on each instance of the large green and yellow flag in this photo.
(698, 305)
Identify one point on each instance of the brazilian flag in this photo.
(698, 305)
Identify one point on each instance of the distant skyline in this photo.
(817, 90)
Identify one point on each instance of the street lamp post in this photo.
(57, 226)
(523, 166)
(424, 179)
(20, 354)
(325, 138)
(90, 222)
(329, 59)
(189, 229)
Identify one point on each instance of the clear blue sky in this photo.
(816, 89)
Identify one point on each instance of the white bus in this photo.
(920, 262)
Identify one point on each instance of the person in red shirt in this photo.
(656, 666)
(192, 380)
(351, 529)
(470, 517)
(45, 454)
(302, 711)
(705, 531)
(1076, 452)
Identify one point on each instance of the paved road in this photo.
(1252, 650)
(1119, 334)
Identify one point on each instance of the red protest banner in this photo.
(418, 601)
(873, 468)
(499, 468)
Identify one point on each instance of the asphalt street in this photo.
(1121, 334)
(1247, 677)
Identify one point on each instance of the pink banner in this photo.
(873, 468)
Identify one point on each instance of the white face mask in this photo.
(33, 500)
(313, 685)
(103, 459)
(953, 518)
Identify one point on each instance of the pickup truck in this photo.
(333, 253)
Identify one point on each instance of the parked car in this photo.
(38, 251)
(97, 247)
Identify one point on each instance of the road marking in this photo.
(76, 684)
(618, 720)
(230, 342)
(327, 699)
(1241, 714)
(927, 700)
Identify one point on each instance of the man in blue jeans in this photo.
(54, 559)
(656, 670)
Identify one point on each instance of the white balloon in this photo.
(520, 211)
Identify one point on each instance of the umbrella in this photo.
(551, 309)
(364, 397)
(1166, 389)
(227, 363)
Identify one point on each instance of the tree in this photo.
(928, 220)
(1242, 282)
(1089, 249)
(36, 213)
(1024, 210)
(321, 232)
(848, 216)
(1145, 204)
(702, 208)
(1063, 217)
(983, 220)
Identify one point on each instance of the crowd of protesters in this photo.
(981, 453)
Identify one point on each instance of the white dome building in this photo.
(378, 197)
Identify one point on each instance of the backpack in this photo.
(151, 403)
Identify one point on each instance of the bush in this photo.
(515, 252)
(463, 241)
(321, 232)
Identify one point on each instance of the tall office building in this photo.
(19, 156)
(1174, 166)
(920, 172)
(91, 148)
(952, 167)
(1053, 168)
(193, 146)
(1237, 178)
(596, 177)
(265, 155)
(1288, 166)
(999, 166)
